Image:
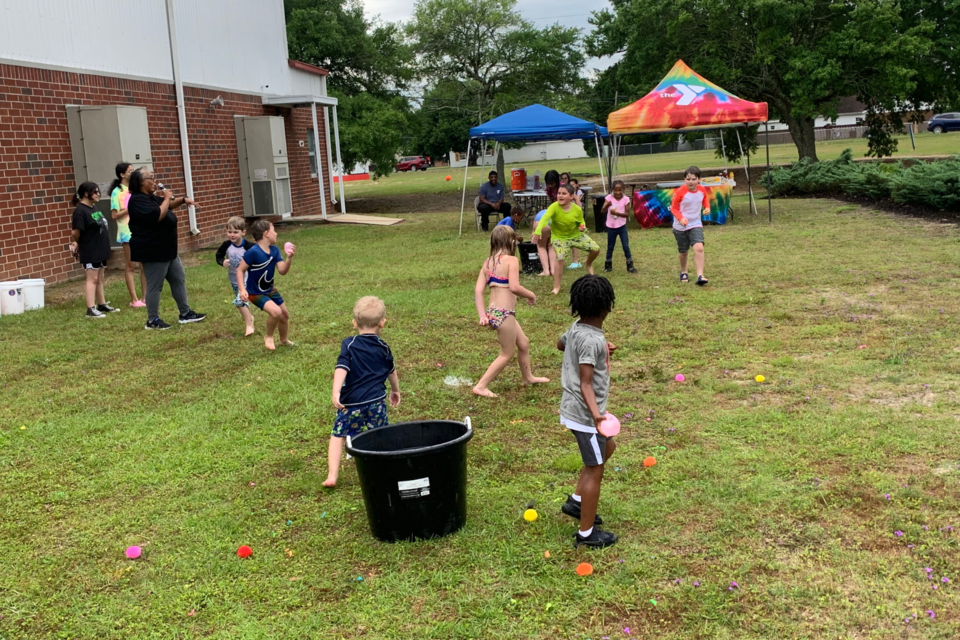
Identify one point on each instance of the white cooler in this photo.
(11, 298)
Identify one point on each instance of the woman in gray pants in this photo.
(153, 227)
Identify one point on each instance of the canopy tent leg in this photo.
(746, 168)
(596, 140)
(463, 199)
(766, 130)
(724, 148)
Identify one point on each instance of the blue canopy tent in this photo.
(535, 123)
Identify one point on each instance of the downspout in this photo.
(316, 145)
(326, 131)
(182, 117)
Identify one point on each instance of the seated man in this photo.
(513, 221)
(491, 201)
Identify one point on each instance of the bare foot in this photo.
(288, 343)
(268, 343)
(555, 291)
(250, 331)
(536, 380)
(544, 274)
(486, 393)
(590, 269)
(331, 481)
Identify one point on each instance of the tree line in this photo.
(418, 87)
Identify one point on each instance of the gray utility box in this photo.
(264, 166)
(102, 137)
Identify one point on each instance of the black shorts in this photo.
(94, 265)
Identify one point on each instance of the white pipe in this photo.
(463, 198)
(182, 117)
(336, 132)
(326, 132)
(316, 146)
(746, 171)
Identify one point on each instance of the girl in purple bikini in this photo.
(501, 272)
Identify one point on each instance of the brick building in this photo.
(231, 58)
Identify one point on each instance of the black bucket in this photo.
(529, 258)
(414, 478)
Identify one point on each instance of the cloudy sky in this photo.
(569, 13)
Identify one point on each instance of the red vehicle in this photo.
(412, 163)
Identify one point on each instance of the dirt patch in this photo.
(409, 203)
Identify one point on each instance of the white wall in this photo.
(235, 45)
(534, 152)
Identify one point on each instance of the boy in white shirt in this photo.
(686, 206)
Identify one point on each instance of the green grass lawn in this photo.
(194, 441)
(432, 180)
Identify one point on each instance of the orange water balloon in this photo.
(649, 461)
(584, 569)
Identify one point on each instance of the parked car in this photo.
(943, 122)
(412, 163)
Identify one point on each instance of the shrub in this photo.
(934, 184)
(930, 184)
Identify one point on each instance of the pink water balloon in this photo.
(133, 552)
(679, 377)
(610, 426)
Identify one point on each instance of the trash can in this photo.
(529, 258)
(599, 221)
(414, 478)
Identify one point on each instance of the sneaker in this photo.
(191, 316)
(138, 304)
(93, 312)
(572, 508)
(574, 265)
(597, 539)
(608, 266)
(156, 323)
(106, 308)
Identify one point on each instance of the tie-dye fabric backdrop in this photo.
(652, 208)
(684, 100)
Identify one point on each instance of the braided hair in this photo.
(591, 296)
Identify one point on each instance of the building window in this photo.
(313, 153)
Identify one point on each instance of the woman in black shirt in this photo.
(153, 227)
(91, 244)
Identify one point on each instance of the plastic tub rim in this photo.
(361, 453)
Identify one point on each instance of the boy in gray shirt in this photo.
(585, 379)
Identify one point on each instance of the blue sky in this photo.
(569, 13)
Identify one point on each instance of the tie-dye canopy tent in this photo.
(686, 101)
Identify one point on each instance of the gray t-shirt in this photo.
(583, 344)
(493, 194)
(234, 255)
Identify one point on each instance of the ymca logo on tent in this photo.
(687, 93)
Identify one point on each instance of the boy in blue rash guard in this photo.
(261, 260)
(364, 365)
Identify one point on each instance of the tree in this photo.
(481, 59)
(799, 56)
(369, 69)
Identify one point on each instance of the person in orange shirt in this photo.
(686, 206)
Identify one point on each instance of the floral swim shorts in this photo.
(582, 242)
(237, 302)
(352, 421)
(497, 316)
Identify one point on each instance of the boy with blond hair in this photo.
(229, 256)
(364, 365)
